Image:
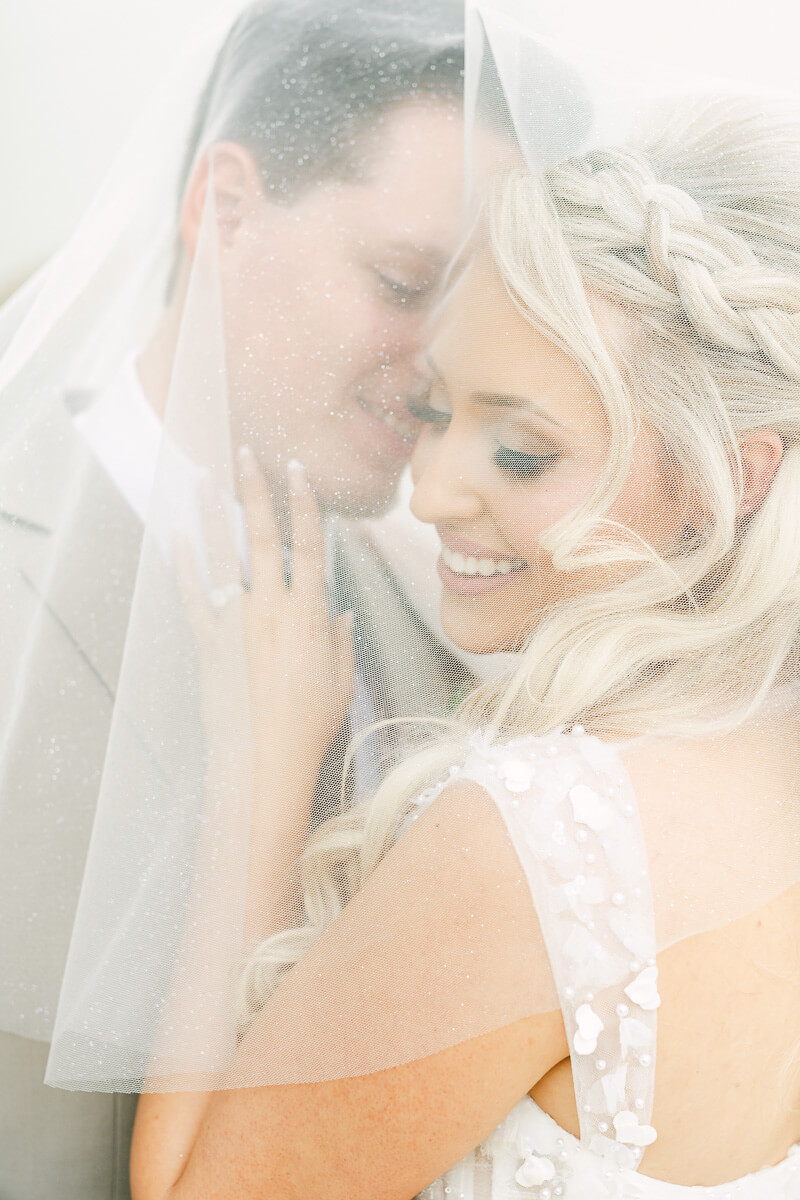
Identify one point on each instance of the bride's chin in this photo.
(479, 638)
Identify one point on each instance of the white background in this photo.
(74, 73)
(73, 76)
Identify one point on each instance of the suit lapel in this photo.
(80, 548)
(80, 543)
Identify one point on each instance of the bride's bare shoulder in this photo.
(759, 758)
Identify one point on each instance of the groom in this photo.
(330, 310)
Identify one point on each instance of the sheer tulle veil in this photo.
(673, 198)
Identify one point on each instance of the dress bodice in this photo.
(573, 818)
(530, 1157)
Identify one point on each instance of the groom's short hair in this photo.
(300, 83)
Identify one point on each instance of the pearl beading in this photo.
(572, 816)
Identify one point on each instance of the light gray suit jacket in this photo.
(57, 1145)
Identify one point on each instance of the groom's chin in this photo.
(373, 496)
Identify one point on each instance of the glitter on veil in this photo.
(449, 936)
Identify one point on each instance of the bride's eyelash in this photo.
(523, 466)
(422, 411)
(512, 462)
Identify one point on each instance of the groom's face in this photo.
(326, 302)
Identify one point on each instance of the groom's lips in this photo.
(393, 431)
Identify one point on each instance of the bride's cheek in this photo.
(526, 521)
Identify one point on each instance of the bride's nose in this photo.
(445, 479)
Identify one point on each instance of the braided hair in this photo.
(694, 236)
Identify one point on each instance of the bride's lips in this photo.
(469, 569)
(390, 431)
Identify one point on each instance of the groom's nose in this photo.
(394, 384)
(400, 333)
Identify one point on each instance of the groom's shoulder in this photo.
(51, 481)
(69, 543)
(39, 464)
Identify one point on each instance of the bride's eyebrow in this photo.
(499, 399)
(509, 400)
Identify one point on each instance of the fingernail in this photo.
(296, 473)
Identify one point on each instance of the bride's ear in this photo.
(236, 180)
(761, 453)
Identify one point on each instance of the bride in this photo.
(556, 954)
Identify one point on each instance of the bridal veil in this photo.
(131, 954)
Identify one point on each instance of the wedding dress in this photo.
(529, 1155)
(573, 819)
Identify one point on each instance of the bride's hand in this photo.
(272, 662)
(298, 659)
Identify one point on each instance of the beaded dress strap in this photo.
(570, 810)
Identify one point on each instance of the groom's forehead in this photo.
(414, 191)
(410, 195)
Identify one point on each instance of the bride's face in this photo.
(515, 437)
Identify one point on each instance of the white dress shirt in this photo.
(146, 465)
(124, 434)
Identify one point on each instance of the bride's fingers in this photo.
(308, 541)
(266, 556)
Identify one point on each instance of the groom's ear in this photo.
(236, 183)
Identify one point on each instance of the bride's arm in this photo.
(266, 737)
(380, 1136)
(370, 977)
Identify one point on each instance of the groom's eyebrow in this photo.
(435, 370)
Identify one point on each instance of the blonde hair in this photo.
(695, 235)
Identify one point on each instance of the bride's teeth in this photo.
(461, 564)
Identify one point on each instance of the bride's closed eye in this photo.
(523, 466)
(515, 463)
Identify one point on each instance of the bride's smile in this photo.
(474, 569)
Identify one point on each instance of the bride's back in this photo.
(727, 1092)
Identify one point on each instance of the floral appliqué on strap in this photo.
(572, 816)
